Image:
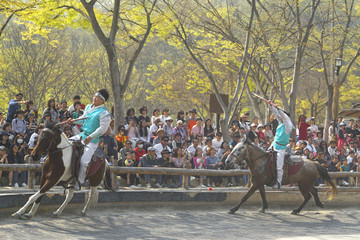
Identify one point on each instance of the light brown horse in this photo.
(257, 160)
(57, 169)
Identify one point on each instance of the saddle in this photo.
(97, 160)
(292, 165)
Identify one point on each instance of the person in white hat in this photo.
(168, 127)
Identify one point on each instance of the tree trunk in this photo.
(116, 88)
(225, 129)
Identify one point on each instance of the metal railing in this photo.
(33, 168)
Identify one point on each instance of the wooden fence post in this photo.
(31, 173)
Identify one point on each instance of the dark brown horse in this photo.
(257, 160)
(57, 169)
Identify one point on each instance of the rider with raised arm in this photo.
(281, 139)
(96, 122)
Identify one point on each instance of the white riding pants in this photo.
(86, 157)
(280, 163)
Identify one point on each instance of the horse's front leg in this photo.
(69, 196)
(263, 197)
(91, 195)
(247, 195)
(31, 200)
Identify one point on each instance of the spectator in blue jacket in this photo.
(14, 105)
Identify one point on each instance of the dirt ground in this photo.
(204, 222)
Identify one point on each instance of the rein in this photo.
(54, 134)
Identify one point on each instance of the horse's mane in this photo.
(49, 124)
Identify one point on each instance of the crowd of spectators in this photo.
(185, 141)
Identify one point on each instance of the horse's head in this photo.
(48, 139)
(238, 154)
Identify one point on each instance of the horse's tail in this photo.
(107, 177)
(325, 175)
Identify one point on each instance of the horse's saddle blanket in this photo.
(292, 165)
(97, 160)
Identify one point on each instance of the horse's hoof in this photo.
(322, 205)
(232, 211)
(294, 212)
(261, 210)
(55, 214)
(25, 217)
(83, 213)
(16, 215)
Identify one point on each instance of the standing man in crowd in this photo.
(97, 121)
(281, 139)
(14, 105)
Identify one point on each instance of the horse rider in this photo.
(281, 139)
(95, 123)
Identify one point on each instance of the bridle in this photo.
(246, 153)
(52, 140)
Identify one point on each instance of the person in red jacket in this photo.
(302, 126)
(139, 151)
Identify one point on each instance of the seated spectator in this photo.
(332, 149)
(217, 141)
(139, 151)
(213, 162)
(351, 157)
(310, 145)
(345, 168)
(342, 154)
(168, 127)
(144, 133)
(130, 113)
(197, 128)
(51, 108)
(132, 130)
(143, 116)
(15, 156)
(110, 144)
(179, 160)
(4, 160)
(159, 134)
(252, 133)
(18, 124)
(149, 160)
(121, 138)
(208, 145)
(30, 124)
(179, 129)
(324, 148)
(161, 146)
(46, 117)
(35, 136)
(122, 153)
(199, 161)
(268, 132)
(257, 142)
(260, 132)
(334, 165)
(223, 148)
(156, 115)
(192, 148)
(319, 138)
(68, 131)
(153, 128)
(290, 148)
(129, 162)
(177, 142)
(165, 115)
(64, 109)
(235, 140)
(267, 143)
(71, 109)
(209, 131)
(184, 132)
(166, 161)
(4, 137)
